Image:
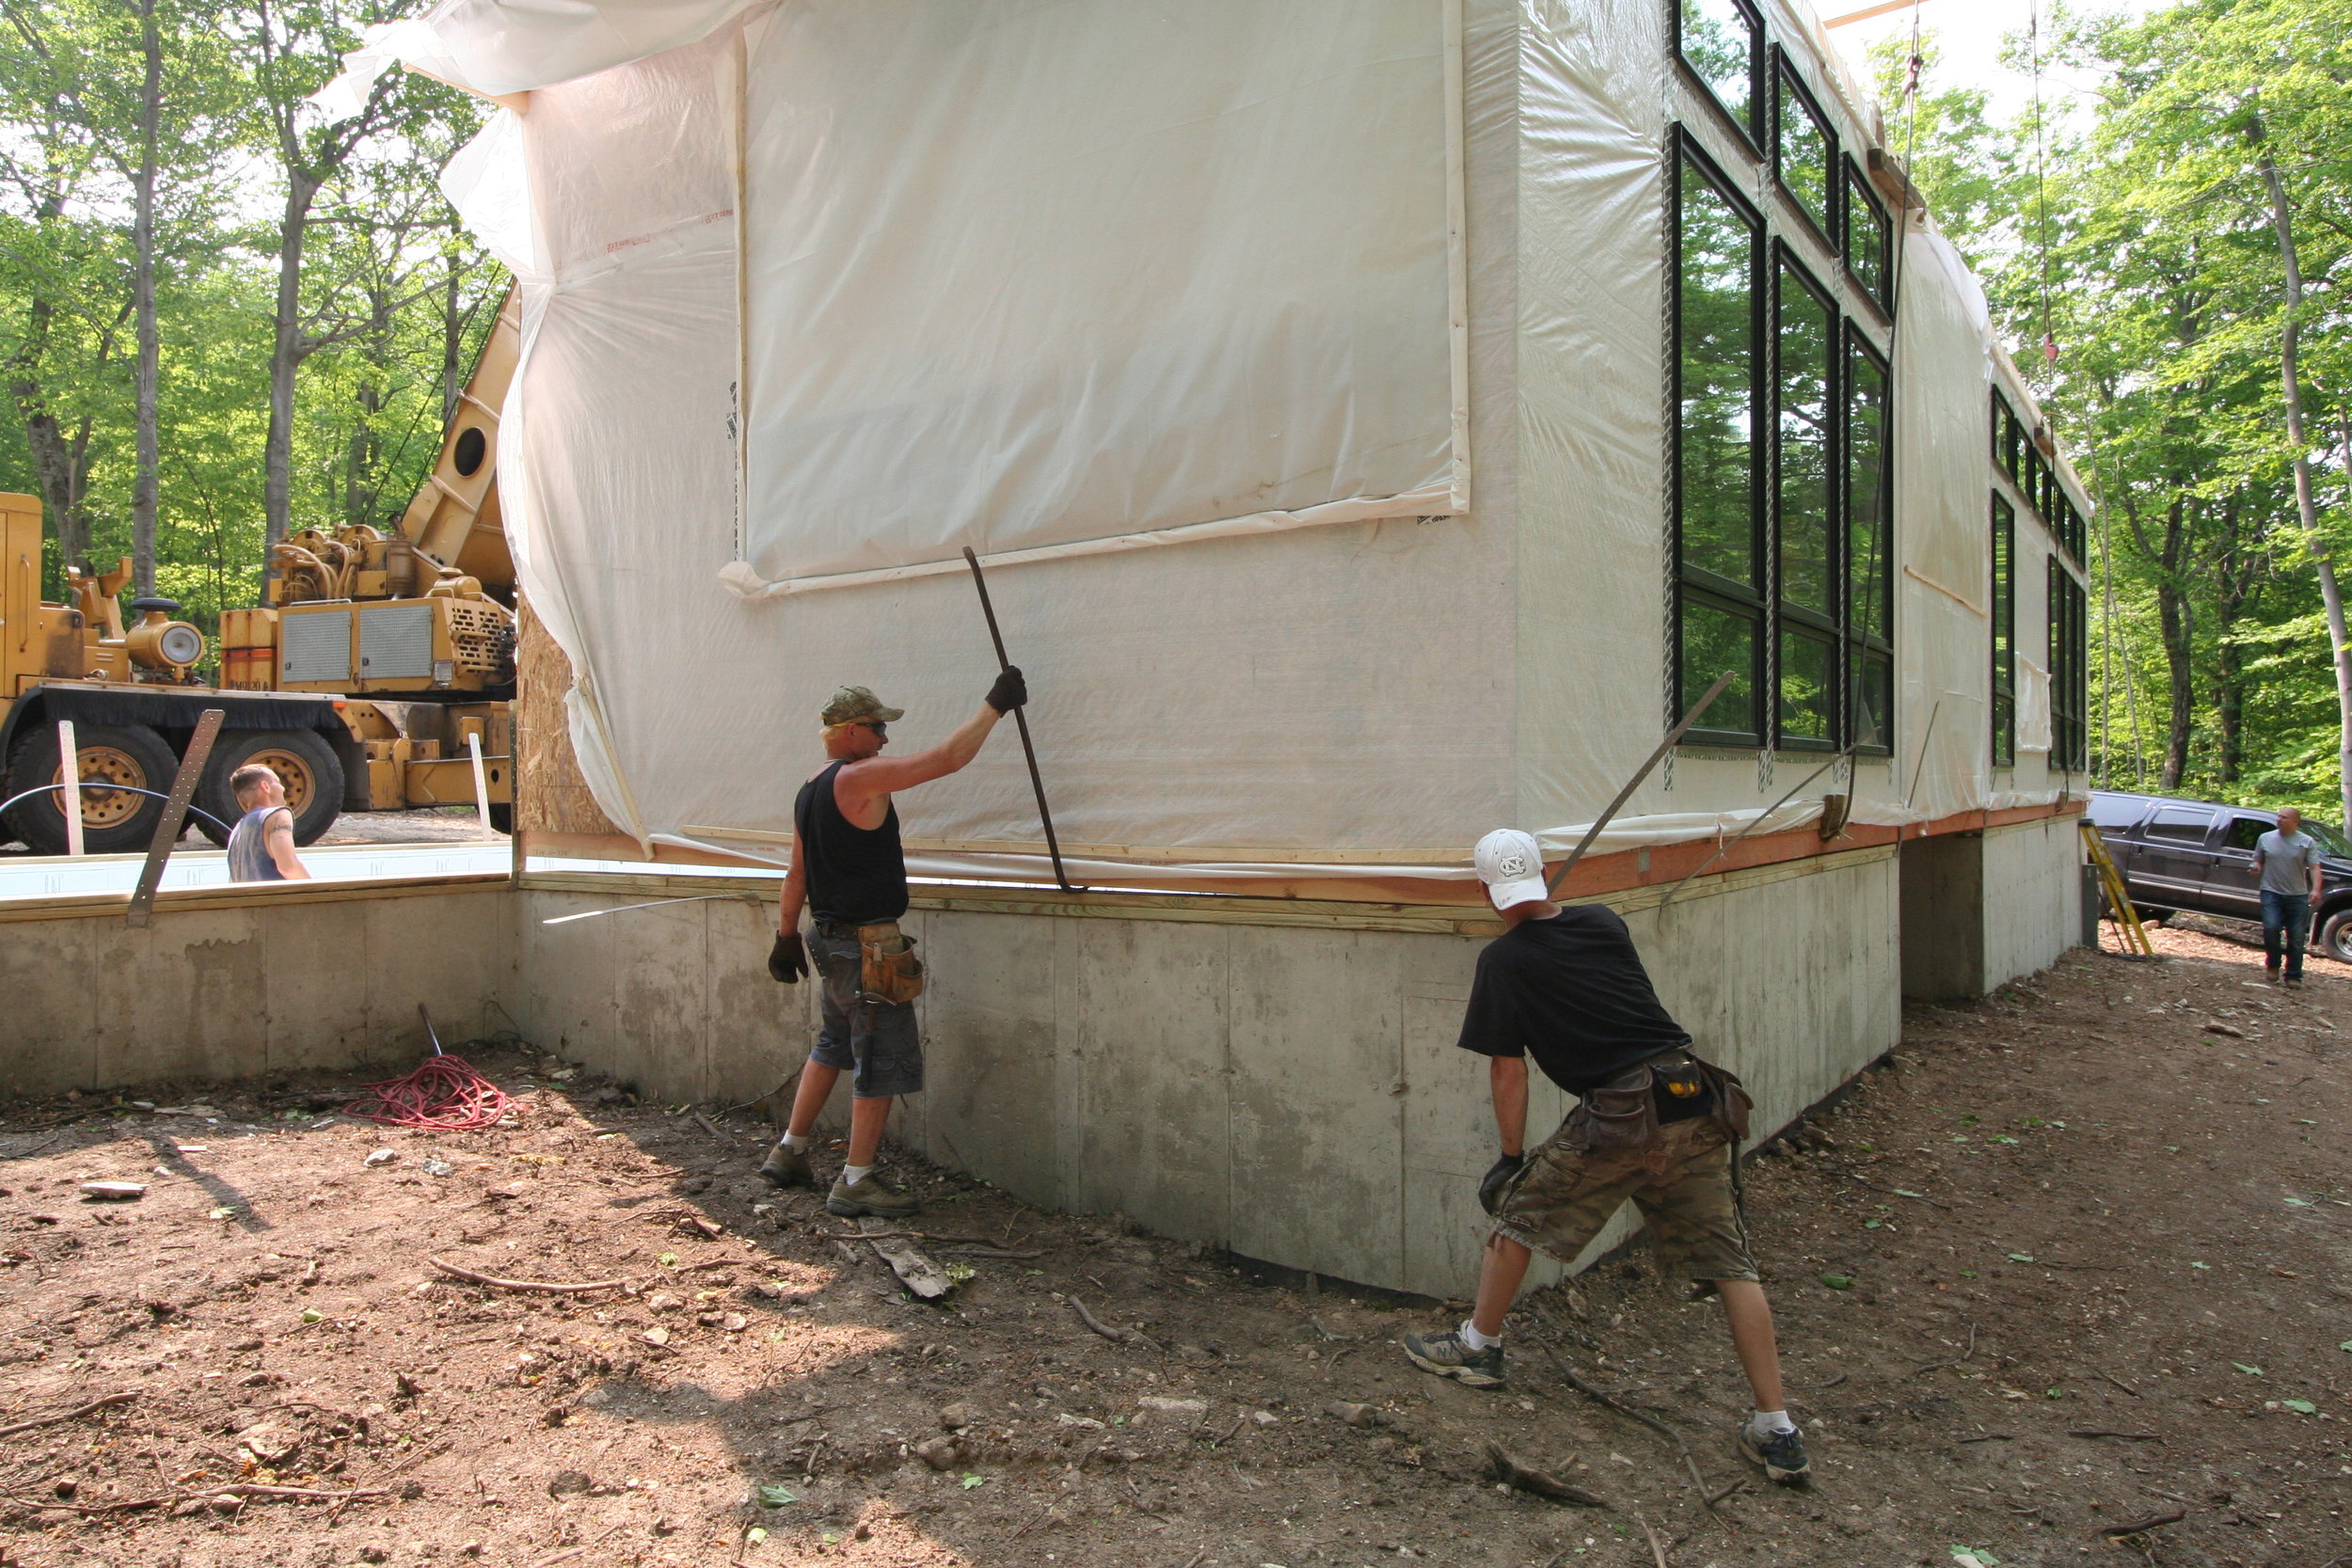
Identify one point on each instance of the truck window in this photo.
(2181, 825)
(2244, 832)
(2116, 812)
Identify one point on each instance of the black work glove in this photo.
(1497, 1178)
(788, 960)
(1010, 691)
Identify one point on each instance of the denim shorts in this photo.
(879, 1040)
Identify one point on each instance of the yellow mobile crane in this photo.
(361, 679)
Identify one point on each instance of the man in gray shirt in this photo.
(2288, 860)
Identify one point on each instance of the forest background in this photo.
(225, 318)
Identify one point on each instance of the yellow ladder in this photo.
(2118, 902)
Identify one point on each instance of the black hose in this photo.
(130, 790)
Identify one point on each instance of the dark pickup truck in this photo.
(2196, 855)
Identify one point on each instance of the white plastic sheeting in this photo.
(1339, 245)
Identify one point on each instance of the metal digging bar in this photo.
(175, 816)
(1552, 885)
(1052, 845)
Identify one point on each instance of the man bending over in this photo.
(850, 871)
(1652, 1123)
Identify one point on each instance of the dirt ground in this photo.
(2077, 1257)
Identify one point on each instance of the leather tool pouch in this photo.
(1618, 1115)
(888, 971)
(1732, 1103)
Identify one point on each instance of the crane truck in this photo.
(376, 662)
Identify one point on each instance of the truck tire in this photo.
(113, 822)
(2335, 935)
(302, 759)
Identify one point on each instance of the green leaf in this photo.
(1866, 1225)
(2003, 1138)
(312, 1315)
(2021, 1256)
(754, 1536)
(668, 1259)
(1838, 1281)
(1900, 1192)
(2347, 1345)
(972, 1481)
(775, 1496)
(2249, 1371)
(2054, 1393)
(2296, 1202)
(2301, 1407)
(2201, 1266)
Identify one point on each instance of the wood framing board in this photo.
(236, 896)
(1227, 910)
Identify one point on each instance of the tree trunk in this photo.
(2306, 503)
(60, 465)
(453, 343)
(143, 481)
(2175, 614)
(286, 354)
(2235, 573)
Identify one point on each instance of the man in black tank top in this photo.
(849, 872)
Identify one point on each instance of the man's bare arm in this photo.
(1506, 1076)
(795, 893)
(278, 838)
(860, 783)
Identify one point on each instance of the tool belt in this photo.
(888, 972)
(1622, 1114)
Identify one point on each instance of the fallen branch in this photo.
(2127, 1437)
(1953, 1361)
(1698, 1482)
(248, 1489)
(1991, 1438)
(1515, 1475)
(1656, 1550)
(550, 1287)
(91, 1508)
(710, 1126)
(1117, 1335)
(1727, 1491)
(68, 1415)
(2121, 1384)
(1897, 1192)
(2156, 1521)
(983, 1252)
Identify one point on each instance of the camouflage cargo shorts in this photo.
(1562, 1199)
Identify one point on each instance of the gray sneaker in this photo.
(872, 1196)
(1781, 1453)
(785, 1167)
(1448, 1356)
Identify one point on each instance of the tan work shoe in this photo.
(786, 1168)
(872, 1196)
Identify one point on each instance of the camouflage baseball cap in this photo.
(854, 704)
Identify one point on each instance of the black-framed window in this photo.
(1870, 605)
(2007, 441)
(1718, 491)
(2004, 607)
(2070, 671)
(1782, 510)
(1805, 528)
(1721, 42)
(1869, 237)
(1804, 149)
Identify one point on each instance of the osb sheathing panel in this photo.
(549, 794)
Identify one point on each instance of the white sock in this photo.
(1476, 1341)
(798, 1142)
(1765, 1422)
(853, 1175)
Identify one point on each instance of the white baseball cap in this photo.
(1511, 863)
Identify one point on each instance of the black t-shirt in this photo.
(856, 875)
(1571, 992)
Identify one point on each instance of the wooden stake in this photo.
(175, 816)
(69, 771)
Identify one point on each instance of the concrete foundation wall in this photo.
(1980, 910)
(1292, 1094)
(284, 983)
